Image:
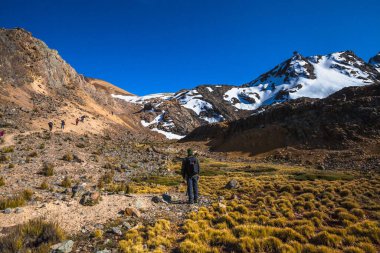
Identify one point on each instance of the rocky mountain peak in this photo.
(375, 61)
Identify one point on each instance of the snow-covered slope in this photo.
(175, 115)
(375, 62)
(314, 77)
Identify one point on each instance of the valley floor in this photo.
(269, 208)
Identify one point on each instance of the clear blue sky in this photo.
(147, 46)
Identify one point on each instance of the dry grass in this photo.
(33, 236)
(276, 209)
(17, 200)
(47, 169)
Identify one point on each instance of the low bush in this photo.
(33, 236)
(47, 169)
(9, 149)
(66, 182)
(16, 201)
(68, 157)
(2, 181)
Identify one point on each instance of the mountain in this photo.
(346, 120)
(375, 62)
(37, 86)
(175, 115)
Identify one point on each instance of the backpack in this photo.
(192, 166)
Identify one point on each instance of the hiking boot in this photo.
(190, 202)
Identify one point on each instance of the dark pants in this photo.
(192, 188)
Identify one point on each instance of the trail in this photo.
(72, 217)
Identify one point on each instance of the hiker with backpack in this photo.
(50, 126)
(190, 173)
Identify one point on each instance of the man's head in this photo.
(189, 152)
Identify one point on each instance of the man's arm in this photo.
(183, 168)
(199, 166)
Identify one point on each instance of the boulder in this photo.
(116, 231)
(63, 247)
(90, 198)
(131, 211)
(78, 190)
(167, 197)
(127, 225)
(7, 211)
(156, 199)
(232, 184)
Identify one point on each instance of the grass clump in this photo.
(66, 182)
(97, 233)
(9, 149)
(16, 201)
(68, 157)
(33, 236)
(329, 176)
(2, 181)
(47, 169)
(4, 158)
(44, 185)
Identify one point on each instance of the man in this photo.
(50, 126)
(190, 173)
(63, 123)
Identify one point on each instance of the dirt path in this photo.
(72, 216)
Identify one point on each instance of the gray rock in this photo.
(63, 247)
(77, 190)
(127, 225)
(103, 251)
(99, 226)
(232, 184)
(8, 211)
(156, 199)
(19, 210)
(116, 230)
(167, 197)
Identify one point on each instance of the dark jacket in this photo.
(184, 169)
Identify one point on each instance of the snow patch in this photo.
(168, 135)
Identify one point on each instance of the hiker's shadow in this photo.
(178, 202)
